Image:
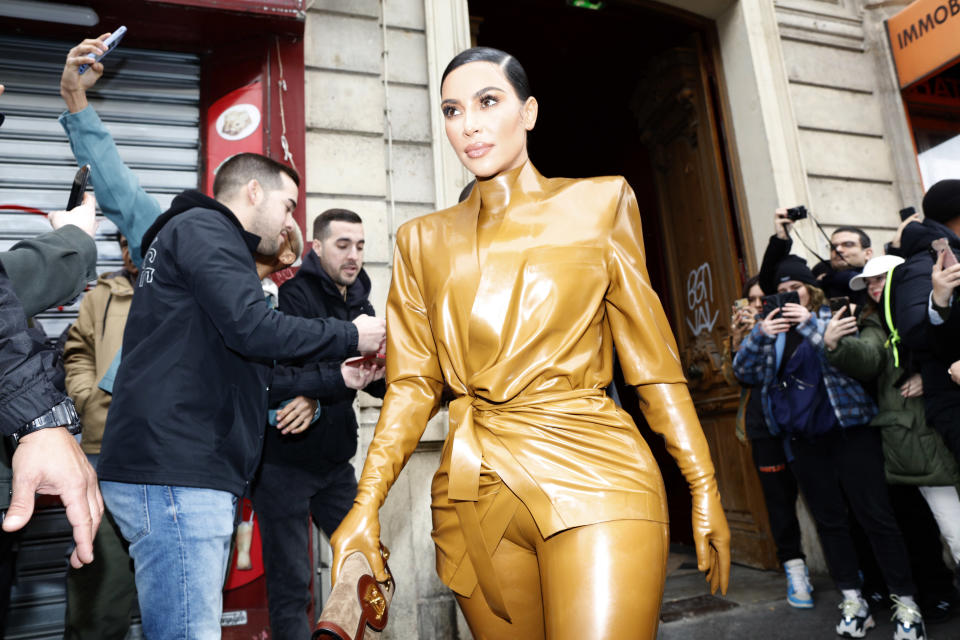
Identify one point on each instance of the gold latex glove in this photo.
(669, 410)
(407, 408)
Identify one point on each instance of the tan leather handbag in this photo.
(358, 605)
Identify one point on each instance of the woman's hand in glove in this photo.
(711, 535)
(359, 531)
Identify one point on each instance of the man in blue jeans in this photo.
(186, 424)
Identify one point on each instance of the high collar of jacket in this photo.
(916, 238)
(505, 189)
(356, 292)
(194, 199)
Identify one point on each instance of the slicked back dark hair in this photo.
(864, 238)
(511, 67)
(321, 226)
(240, 169)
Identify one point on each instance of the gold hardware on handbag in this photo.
(358, 605)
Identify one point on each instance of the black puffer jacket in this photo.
(911, 294)
(333, 438)
(29, 382)
(190, 400)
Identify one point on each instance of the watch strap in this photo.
(63, 414)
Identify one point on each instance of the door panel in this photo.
(675, 117)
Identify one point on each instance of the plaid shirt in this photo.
(756, 364)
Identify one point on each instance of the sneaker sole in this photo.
(796, 604)
(869, 624)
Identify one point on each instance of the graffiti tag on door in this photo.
(699, 299)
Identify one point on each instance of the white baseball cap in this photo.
(874, 267)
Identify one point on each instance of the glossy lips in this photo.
(477, 149)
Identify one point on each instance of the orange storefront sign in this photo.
(924, 38)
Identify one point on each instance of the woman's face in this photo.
(486, 122)
(795, 285)
(875, 286)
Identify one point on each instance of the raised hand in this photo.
(73, 86)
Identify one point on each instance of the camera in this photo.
(797, 213)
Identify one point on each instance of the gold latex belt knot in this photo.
(464, 479)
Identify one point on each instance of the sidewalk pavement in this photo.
(755, 608)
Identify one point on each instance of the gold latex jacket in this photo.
(514, 299)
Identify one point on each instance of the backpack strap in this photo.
(894, 340)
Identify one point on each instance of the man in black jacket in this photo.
(308, 472)
(185, 429)
(914, 306)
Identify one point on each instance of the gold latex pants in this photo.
(597, 581)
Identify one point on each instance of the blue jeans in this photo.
(180, 544)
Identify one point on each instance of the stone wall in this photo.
(850, 129)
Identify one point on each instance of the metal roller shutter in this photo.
(149, 100)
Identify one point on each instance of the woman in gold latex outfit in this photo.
(549, 513)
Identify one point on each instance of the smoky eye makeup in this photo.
(488, 100)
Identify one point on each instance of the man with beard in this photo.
(306, 470)
(184, 432)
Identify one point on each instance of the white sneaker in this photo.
(909, 620)
(798, 584)
(855, 618)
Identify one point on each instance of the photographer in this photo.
(776, 479)
(823, 416)
(849, 251)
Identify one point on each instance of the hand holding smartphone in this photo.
(111, 44)
(942, 246)
(836, 304)
(777, 301)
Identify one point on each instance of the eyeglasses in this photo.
(849, 244)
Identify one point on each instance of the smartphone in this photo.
(377, 359)
(942, 245)
(836, 304)
(741, 303)
(906, 212)
(111, 44)
(777, 300)
(79, 186)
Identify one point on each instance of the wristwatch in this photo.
(60, 415)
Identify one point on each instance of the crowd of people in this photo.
(848, 387)
(850, 374)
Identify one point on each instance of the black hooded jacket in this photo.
(333, 438)
(190, 398)
(911, 294)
